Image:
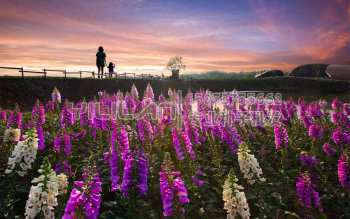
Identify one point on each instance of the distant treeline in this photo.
(219, 75)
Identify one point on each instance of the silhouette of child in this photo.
(111, 67)
(100, 61)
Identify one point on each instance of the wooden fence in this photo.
(64, 73)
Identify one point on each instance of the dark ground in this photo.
(26, 91)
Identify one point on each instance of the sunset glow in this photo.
(141, 35)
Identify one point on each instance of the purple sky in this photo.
(141, 35)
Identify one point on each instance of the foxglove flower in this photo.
(188, 145)
(85, 197)
(143, 173)
(12, 135)
(196, 179)
(41, 137)
(249, 165)
(67, 144)
(176, 144)
(181, 190)
(124, 142)
(327, 149)
(43, 195)
(113, 162)
(344, 171)
(56, 96)
(315, 131)
(167, 194)
(134, 93)
(281, 137)
(3, 116)
(127, 175)
(235, 201)
(308, 160)
(306, 192)
(24, 154)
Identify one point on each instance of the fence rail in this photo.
(47, 72)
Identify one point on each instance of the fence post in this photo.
(45, 73)
(93, 74)
(80, 74)
(22, 72)
(65, 74)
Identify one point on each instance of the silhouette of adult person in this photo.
(100, 61)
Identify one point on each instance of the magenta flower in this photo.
(85, 197)
(306, 192)
(143, 173)
(181, 190)
(344, 171)
(127, 175)
(308, 160)
(176, 144)
(41, 137)
(281, 137)
(188, 145)
(315, 131)
(167, 194)
(113, 162)
(67, 144)
(327, 149)
(124, 142)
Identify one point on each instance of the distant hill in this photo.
(219, 75)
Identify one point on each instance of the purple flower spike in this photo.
(143, 173)
(307, 195)
(327, 149)
(181, 190)
(315, 131)
(167, 194)
(176, 144)
(127, 175)
(308, 160)
(344, 171)
(188, 145)
(41, 138)
(67, 144)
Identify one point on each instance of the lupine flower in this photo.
(142, 173)
(308, 160)
(177, 145)
(127, 175)
(327, 149)
(188, 145)
(140, 130)
(235, 201)
(24, 154)
(344, 171)
(249, 165)
(306, 192)
(315, 131)
(85, 197)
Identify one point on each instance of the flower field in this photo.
(132, 156)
